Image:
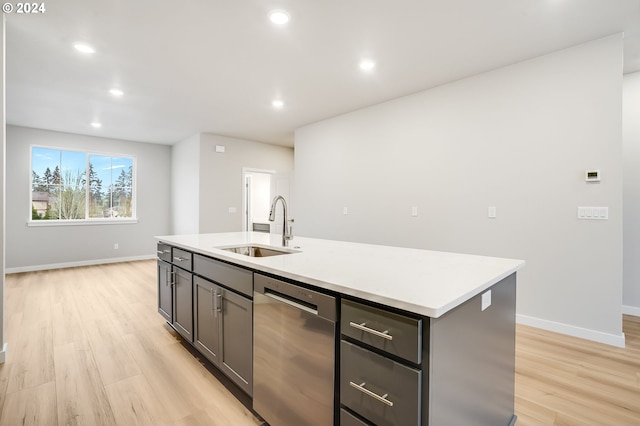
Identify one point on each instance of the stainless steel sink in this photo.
(256, 251)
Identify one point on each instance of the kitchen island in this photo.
(453, 316)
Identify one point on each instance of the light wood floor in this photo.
(87, 347)
(563, 380)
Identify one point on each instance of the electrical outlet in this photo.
(116, 246)
(486, 300)
(345, 211)
(414, 211)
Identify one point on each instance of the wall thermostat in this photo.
(592, 175)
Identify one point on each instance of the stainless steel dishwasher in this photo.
(293, 353)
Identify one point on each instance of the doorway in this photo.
(259, 187)
(256, 199)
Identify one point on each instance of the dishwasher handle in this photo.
(298, 304)
(320, 304)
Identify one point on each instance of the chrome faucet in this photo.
(287, 233)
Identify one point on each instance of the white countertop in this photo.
(425, 282)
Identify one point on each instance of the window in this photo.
(74, 185)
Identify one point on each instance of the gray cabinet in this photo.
(237, 339)
(223, 329)
(380, 378)
(182, 258)
(393, 333)
(164, 252)
(209, 303)
(207, 307)
(165, 291)
(183, 302)
(175, 288)
(236, 278)
(348, 419)
(379, 389)
(399, 368)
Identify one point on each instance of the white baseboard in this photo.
(75, 264)
(3, 354)
(631, 310)
(583, 333)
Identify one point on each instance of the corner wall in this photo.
(631, 138)
(221, 177)
(185, 186)
(518, 138)
(33, 248)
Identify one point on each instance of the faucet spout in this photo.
(286, 230)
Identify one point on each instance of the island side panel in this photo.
(472, 361)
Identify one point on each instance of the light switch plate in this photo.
(593, 213)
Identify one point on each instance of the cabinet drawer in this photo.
(348, 419)
(182, 258)
(238, 279)
(377, 388)
(164, 252)
(396, 334)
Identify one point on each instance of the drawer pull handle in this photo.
(160, 252)
(373, 395)
(179, 259)
(384, 334)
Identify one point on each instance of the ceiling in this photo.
(215, 66)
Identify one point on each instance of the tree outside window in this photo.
(74, 185)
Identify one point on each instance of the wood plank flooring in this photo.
(87, 347)
(562, 380)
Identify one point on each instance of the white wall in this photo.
(29, 248)
(221, 177)
(631, 138)
(518, 138)
(185, 186)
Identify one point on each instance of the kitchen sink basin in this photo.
(256, 251)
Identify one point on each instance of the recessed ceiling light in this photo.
(367, 65)
(84, 48)
(277, 103)
(96, 125)
(116, 92)
(279, 17)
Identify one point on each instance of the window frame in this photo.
(87, 219)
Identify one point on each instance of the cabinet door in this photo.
(237, 339)
(182, 303)
(165, 291)
(207, 304)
